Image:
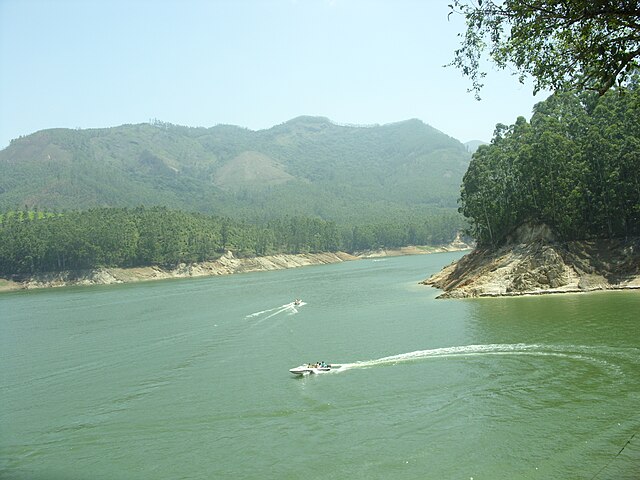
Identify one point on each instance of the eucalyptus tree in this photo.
(555, 162)
(612, 152)
(574, 167)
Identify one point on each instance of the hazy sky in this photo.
(252, 63)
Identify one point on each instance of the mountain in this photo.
(472, 145)
(306, 166)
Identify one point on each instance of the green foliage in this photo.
(307, 185)
(575, 167)
(573, 44)
(305, 167)
(122, 237)
(24, 215)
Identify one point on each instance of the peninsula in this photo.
(554, 203)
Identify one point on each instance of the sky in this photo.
(251, 63)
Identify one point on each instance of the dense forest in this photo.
(307, 185)
(33, 242)
(575, 167)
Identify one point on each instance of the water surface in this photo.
(189, 379)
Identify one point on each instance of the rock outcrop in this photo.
(541, 265)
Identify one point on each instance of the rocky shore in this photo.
(225, 265)
(536, 264)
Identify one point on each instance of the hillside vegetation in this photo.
(554, 203)
(122, 237)
(308, 166)
(574, 167)
(161, 194)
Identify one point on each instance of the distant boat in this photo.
(309, 368)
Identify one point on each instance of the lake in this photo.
(188, 379)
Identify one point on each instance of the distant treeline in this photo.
(128, 237)
(575, 167)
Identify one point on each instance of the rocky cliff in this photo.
(542, 265)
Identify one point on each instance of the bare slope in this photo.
(542, 266)
(250, 169)
(225, 265)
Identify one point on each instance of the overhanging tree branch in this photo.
(573, 44)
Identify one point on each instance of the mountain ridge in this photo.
(307, 165)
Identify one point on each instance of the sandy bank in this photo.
(456, 246)
(413, 250)
(225, 265)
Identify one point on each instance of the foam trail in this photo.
(257, 314)
(477, 350)
(290, 308)
(282, 309)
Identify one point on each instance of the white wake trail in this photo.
(289, 308)
(257, 314)
(573, 352)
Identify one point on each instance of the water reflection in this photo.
(601, 318)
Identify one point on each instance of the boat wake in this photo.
(570, 352)
(289, 308)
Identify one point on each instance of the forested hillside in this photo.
(109, 237)
(308, 166)
(307, 185)
(574, 167)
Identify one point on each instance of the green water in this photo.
(189, 379)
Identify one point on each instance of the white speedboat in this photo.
(309, 368)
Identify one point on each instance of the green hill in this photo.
(307, 166)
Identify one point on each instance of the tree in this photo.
(575, 167)
(563, 45)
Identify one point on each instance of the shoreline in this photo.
(539, 292)
(413, 250)
(542, 268)
(227, 264)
